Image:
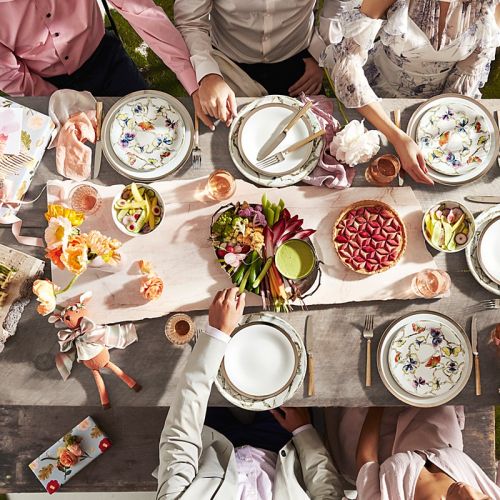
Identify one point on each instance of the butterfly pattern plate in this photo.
(454, 138)
(147, 135)
(458, 138)
(426, 358)
(390, 370)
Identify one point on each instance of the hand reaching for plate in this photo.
(412, 159)
(217, 99)
(293, 418)
(226, 310)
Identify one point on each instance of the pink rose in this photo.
(75, 449)
(495, 337)
(67, 459)
(151, 288)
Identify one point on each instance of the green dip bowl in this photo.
(295, 259)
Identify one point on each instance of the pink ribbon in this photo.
(8, 200)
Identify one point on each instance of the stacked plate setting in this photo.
(256, 124)
(424, 359)
(147, 135)
(457, 136)
(264, 364)
(483, 257)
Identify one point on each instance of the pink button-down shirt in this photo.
(44, 38)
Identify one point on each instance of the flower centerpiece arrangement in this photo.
(247, 239)
(71, 250)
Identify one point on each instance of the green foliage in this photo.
(491, 90)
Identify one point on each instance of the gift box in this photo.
(70, 455)
(17, 171)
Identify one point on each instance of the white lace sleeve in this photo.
(469, 75)
(352, 35)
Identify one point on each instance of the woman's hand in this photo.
(217, 99)
(412, 160)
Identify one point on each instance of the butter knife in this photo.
(276, 139)
(98, 143)
(397, 122)
(475, 352)
(310, 359)
(483, 199)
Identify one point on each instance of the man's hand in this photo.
(310, 82)
(411, 158)
(293, 419)
(199, 111)
(226, 310)
(217, 99)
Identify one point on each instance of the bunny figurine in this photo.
(90, 343)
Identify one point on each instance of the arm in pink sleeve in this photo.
(155, 28)
(17, 80)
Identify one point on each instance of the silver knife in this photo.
(275, 140)
(98, 143)
(475, 352)
(397, 122)
(483, 199)
(310, 359)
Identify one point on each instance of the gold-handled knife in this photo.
(276, 139)
(310, 358)
(475, 352)
(98, 143)
(484, 199)
(397, 122)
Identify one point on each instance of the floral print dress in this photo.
(404, 56)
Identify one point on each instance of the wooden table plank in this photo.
(26, 361)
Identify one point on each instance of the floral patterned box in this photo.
(70, 455)
(18, 171)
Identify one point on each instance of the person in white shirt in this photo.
(250, 48)
(199, 463)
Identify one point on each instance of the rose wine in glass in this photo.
(85, 198)
(383, 170)
(431, 283)
(221, 185)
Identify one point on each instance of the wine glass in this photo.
(431, 283)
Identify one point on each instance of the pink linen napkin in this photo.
(74, 116)
(329, 172)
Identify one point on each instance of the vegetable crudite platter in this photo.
(266, 251)
(369, 237)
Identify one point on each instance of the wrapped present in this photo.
(70, 455)
(17, 171)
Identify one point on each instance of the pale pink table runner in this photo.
(182, 254)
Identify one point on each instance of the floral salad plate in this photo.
(458, 138)
(275, 179)
(264, 402)
(147, 135)
(424, 359)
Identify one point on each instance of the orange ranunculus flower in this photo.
(151, 287)
(45, 291)
(54, 254)
(76, 218)
(67, 459)
(75, 449)
(75, 255)
(103, 246)
(146, 267)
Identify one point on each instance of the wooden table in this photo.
(29, 379)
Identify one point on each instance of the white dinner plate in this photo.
(456, 152)
(247, 402)
(472, 250)
(261, 124)
(147, 135)
(278, 180)
(489, 250)
(437, 396)
(260, 360)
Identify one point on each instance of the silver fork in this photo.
(397, 122)
(485, 305)
(278, 157)
(368, 335)
(196, 153)
(498, 123)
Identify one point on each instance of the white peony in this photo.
(355, 144)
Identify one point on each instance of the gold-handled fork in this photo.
(397, 122)
(368, 335)
(484, 305)
(196, 153)
(498, 123)
(278, 157)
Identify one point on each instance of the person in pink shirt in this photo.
(50, 44)
(409, 453)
